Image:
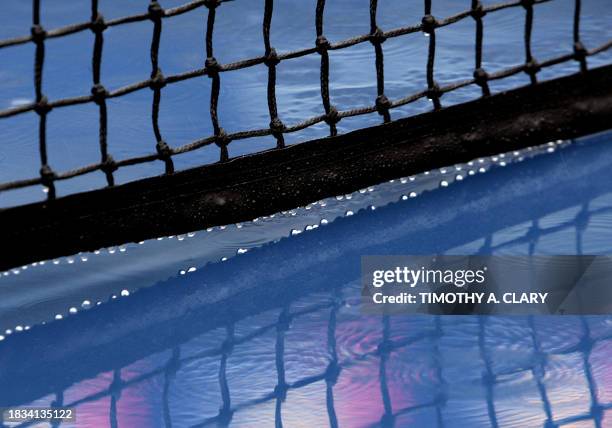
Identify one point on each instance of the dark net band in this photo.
(271, 58)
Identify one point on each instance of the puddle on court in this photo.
(274, 333)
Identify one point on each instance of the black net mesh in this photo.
(161, 151)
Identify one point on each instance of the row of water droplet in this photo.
(331, 208)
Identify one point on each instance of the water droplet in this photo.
(339, 197)
(125, 293)
(295, 232)
(324, 221)
(404, 180)
(181, 237)
(238, 225)
(444, 183)
(58, 316)
(223, 259)
(210, 229)
(191, 269)
(70, 261)
(413, 194)
(349, 213)
(84, 258)
(191, 234)
(72, 310)
(370, 189)
(502, 163)
(348, 197)
(8, 331)
(114, 296)
(323, 203)
(242, 250)
(1, 338)
(111, 250)
(26, 328)
(86, 304)
(550, 150)
(442, 170)
(459, 177)
(481, 170)
(363, 190)
(471, 172)
(19, 328)
(141, 242)
(309, 227)
(404, 198)
(372, 207)
(56, 262)
(182, 272)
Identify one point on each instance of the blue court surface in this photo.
(258, 324)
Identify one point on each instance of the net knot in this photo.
(332, 373)
(434, 92)
(280, 391)
(98, 25)
(322, 44)
(489, 378)
(332, 117)
(277, 126)
(478, 11)
(158, 80)
(47, 175)
(377, 37)
(429, 24)
(580, 51)
(532, 67)
(382, 104)
(99, 93)
(272, 58)
(212, 4)
(227, 346)
(385, 348)
(163, 150)
(42, 106)
(38, 34)
(109, 165)
(156, 12)
(212, 66)
(481, 76)
(222, 139)
(284, 322)
(527, 4)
